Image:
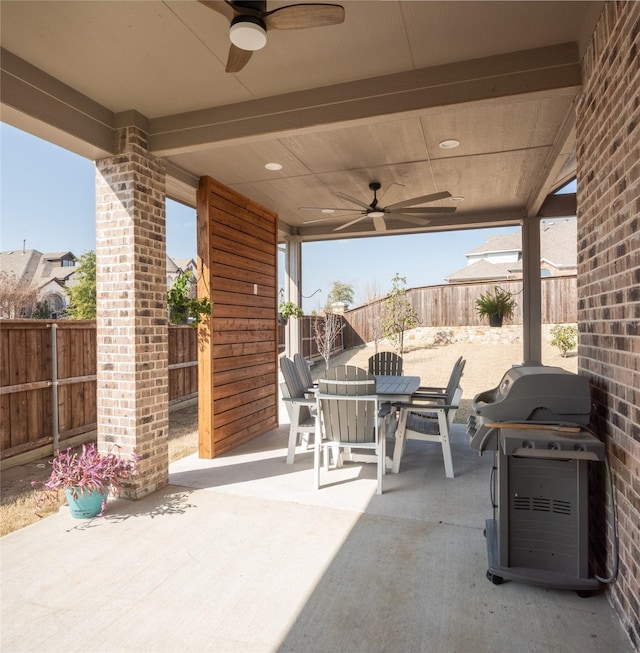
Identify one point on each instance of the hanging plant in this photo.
(287, 310)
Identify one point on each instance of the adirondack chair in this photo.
(421, 419)
(385, 362)
(304, 371)
(349, 410)
(444, 394)
(300, 407)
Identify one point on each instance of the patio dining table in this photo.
(396, 388)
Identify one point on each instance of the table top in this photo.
(396, 385)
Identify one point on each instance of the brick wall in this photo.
(132, 330)
(608, 153)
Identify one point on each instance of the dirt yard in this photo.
(485, 366)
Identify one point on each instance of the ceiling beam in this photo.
(555, 165)
(364, 229)
(72, 118)
(553, 69)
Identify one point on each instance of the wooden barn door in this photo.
(237, 360)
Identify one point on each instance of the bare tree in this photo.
(17, 297)
(325, 332)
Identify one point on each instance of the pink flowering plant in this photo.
(84, 471)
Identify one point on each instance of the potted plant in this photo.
(86, 478)
(287, 310)
(497, 306)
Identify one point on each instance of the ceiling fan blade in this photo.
(304, 16)
(222, 7)
(420, 200)
(424, 210)
(237, 59)
(379, 224)
(353, 200)
(330, 218)
(348, 224)
(323, 208)
(420, 222)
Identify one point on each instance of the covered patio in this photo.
(240, 554)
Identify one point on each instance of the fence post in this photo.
(54, 386)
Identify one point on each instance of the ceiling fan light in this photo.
(248, 33)
(376, 214)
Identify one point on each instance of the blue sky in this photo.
(47, 202)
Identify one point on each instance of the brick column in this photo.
(132, 324)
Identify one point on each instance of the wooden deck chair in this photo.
(348, 411)
(385, 362)
(300, 407)
(426, 421)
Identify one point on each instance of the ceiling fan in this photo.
(250, 21)
(377, 213)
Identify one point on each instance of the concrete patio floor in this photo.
(241, 554)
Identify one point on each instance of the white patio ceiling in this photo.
(338, 107)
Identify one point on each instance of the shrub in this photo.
(444, 337)
(565, 337)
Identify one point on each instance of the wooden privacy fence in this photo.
(48, 381)
(452, 305)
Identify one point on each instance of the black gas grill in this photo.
(535, 423)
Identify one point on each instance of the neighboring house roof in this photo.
(172, 266)
(558, 249)
(185, 263)
(558, 243)
(498, 244)
(175, 264)
(486, 270)
(22, 264)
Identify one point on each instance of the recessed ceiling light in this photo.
(449, 143)
(273, 166)
(456, 198)
(327, 210)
